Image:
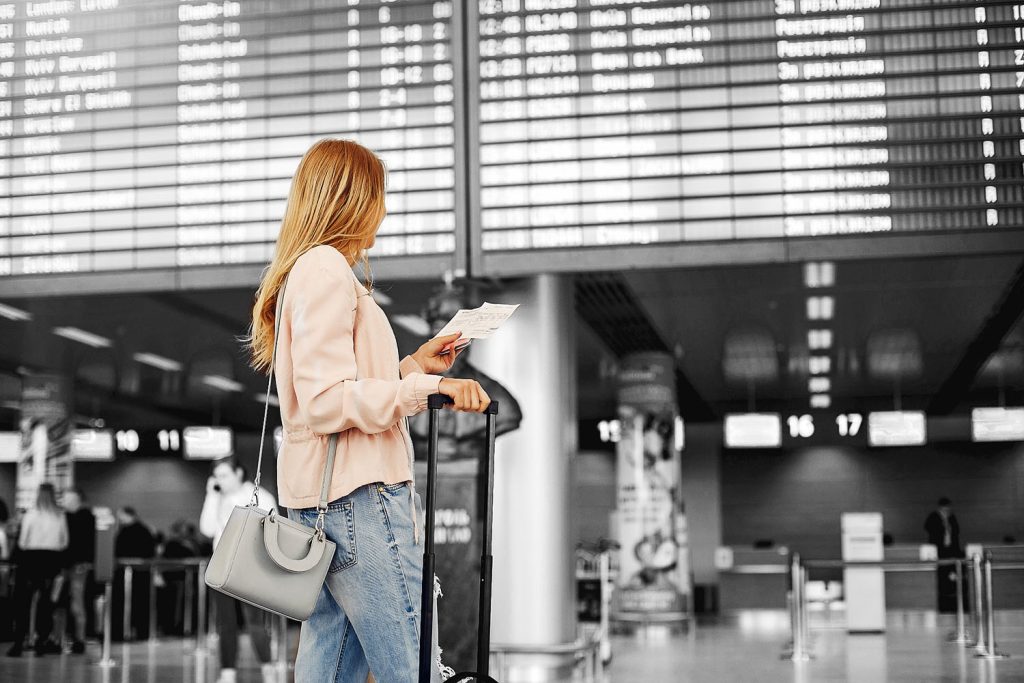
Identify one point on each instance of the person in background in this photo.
(943, 531)
(180, 545)
(5, 544)
(81, 554)
(41, 543)
(226, 489)
(135, 540)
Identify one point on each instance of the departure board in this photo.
(146, 134)
(649, 122)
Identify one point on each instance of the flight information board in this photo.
(138, 135)
(144, 134)
(629, 122)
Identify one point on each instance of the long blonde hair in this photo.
(337, 199)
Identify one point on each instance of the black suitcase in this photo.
(483, 644)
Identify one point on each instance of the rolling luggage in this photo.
(435, 403)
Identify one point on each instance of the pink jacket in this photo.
(338, 371)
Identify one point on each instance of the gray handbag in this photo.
(268, 560)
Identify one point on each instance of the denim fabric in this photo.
(367, 615)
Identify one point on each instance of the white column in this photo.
(533, 356)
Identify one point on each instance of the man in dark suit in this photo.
(944, 533)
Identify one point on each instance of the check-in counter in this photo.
(1007, 584)
(910, 590)
(751, 578)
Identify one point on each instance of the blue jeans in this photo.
(367, 617)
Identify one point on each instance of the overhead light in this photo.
(819, 385)
(819, 365)
(158, 362)
(262, 398)
(12, 313)
(821, 401)
(819, 274)
(82, 337)
(413, 323)
(820, 307)
(381, 298)
(819, 339)
(222, 383)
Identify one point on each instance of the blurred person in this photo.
(136, 541)
(181, 544)
(5, 544)
(943, 531)
(338, 371)
(42, 540)
(227, 488)
(81, 554)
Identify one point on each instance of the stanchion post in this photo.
(797, 612)
(961, 636)
(128, 578)
(282, 649)
(152, 605)
(201, 610)
(805, 621)
(979, 605)
(990, 620)
(187, 607)
(106, 661)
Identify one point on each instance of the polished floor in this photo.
(741, 650)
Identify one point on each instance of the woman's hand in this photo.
(468, 395)
(429, 355)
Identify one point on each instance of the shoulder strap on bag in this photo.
(332, 440)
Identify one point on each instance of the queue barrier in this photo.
(194, 587)
(983, 612)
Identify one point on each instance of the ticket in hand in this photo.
(476, 323)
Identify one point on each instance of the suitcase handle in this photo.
(438, 401)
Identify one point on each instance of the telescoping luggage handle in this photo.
(434, 403)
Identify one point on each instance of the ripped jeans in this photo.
(367, 617)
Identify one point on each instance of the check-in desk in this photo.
(1007, 584)
(907, 590)
(751, 578)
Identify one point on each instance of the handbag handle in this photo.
(332, 440)
(317, 545)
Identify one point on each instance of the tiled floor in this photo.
(742, 650)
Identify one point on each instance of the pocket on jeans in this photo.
(340, 526)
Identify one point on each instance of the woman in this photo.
(225, 489)
(338, 372)
(41, 544)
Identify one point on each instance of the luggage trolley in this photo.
(483, 642)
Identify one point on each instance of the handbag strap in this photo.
(332, 440)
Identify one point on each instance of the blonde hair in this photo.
(336, 199)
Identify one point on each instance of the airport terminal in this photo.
(739, 286)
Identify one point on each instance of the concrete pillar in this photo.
(533, 356)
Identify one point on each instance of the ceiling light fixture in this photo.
(821, 401)
(413, 323)
(82, 337)
(820, 307)
(819, 365)
(819, 385)
(12, 313)
(262, 398)
(819, 339)
(158, 362)
(222, 383)
(819, 274)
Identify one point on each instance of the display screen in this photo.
(146, 134)
(140, 134)
(606, 122)
(897, 428)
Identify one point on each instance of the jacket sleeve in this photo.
(320, 306)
